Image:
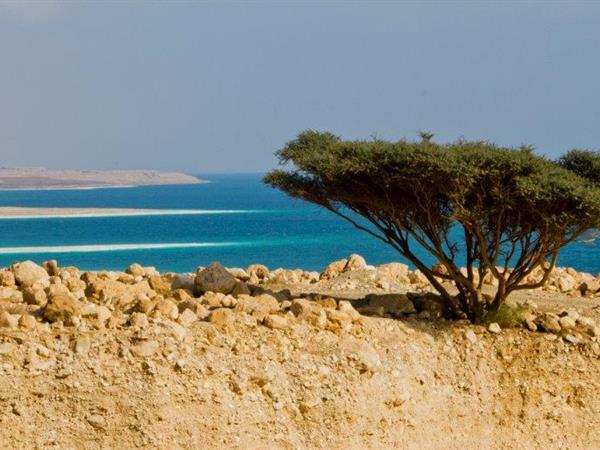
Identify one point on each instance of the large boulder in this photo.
(214, 278)
(27, 273)
(395, 304)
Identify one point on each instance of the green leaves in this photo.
(516, 208)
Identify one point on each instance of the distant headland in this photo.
(41, 178)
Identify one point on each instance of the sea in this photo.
(236, 220)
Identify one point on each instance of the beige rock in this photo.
(276, 322)
(166, 308)
(566, 323)
(7, 278)
(361, 353)
(138, 320)
(34, 296)
(566, 282)
(471, 336)
(355, 262)
(61, 307)
(549, 322)
(257, 270)
(195, 306)
(187, 318)
(392, 303)
(145, 348)
(238, 273)
(7, 348)
(136, 270)
(8, 320)
(27, 322)
(215, 278)
(494, 328)
(334, 269)
(397, 272)
(97, 421)
(82, 345)
(11, 294)
(161, 285)
(222, 317)
(346, 306)
(27, 273)
(259, 307)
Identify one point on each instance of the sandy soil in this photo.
(90, 361)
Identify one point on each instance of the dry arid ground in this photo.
(142, 360)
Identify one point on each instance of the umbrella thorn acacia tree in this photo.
(505, 211)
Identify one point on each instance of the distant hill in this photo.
(40, 178)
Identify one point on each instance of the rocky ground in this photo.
(353, 357)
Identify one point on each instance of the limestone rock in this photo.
(61, 307)
(355, 262)
(392, 303)
(135, 269)
(215, 278)
(166, 308)
(222, 317)
(27, 322)
(549, 322)
(276, 322)
(28, 273)
(494, 328)
(258, 270)
(138, 320)
(161, 285)
(145, 348)
(259, 307)
(34, 296)
(8, 320)
(187, 317)
(7, 278)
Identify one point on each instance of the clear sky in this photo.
(217, 87)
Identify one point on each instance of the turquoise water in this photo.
(265, 227)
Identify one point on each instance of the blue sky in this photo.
(217, 86)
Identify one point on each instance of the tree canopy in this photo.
(513, 208)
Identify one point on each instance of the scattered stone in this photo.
(61, 308)
(549, 322)
(222, 317)
(276, 322)
(215, 278)
(8, 320)
(136, 270)
(161, 285)
(82, 345)
(7, 278)
(97, 421)
(27, 273)
(187, 318)
(145, 349)
(138, 320)
(258, 270)
(494, 328)
(471, 336)
(6, 348)
(392, 303)
(27, 322)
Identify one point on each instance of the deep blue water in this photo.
(279, 232)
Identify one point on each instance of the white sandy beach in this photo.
(12, 212)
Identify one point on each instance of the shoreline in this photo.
(94, 187)
(17, 212)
